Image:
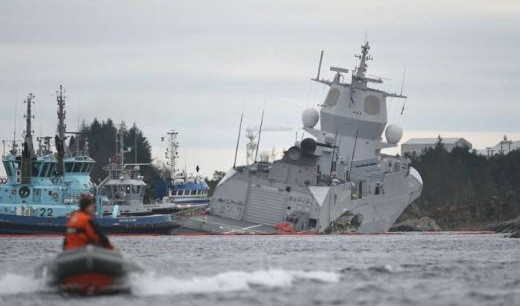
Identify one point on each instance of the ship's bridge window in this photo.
(68, 166)
(15, 165)
(77, 167)
(84, 168)
(332, 97)
(35, 168)
(372, 105)
(7, 167)
(193, 192)
(51, 169)
(45, 168)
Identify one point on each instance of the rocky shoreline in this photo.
(511, 226)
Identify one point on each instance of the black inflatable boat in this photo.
(90, 271)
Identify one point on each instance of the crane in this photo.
(252, 133)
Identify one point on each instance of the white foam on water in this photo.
(16, 284)
(150, 284)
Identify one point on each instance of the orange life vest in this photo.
(81, 232)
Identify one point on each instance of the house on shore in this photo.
(503, 147)
(418, 145)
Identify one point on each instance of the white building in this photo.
(503, 147)
(418, 145)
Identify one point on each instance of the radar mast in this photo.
(172, 152)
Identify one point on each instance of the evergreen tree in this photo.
(463, 189)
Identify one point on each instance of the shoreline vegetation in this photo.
(464, 190)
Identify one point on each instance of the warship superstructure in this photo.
(338, 177)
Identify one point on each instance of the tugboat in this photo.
(42, 188)
(337, 181)
(124, 186)
(179, 191)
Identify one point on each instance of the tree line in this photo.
(102, 147)
(466, 190)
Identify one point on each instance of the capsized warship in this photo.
(339, 177)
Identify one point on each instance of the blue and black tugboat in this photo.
(43, 186)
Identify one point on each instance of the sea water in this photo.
(399, 269)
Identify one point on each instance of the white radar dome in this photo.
(393, 133)
(310, 117)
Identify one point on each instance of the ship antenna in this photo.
(15, 120)
(319, 66)
(28, 151)
(402, 81)
(402, 86)
(259, 133)
(62, 127)
(238, 139)
(332, 157)
(172, 151)
(353, 153)
(135, 144)
(364, 57)
(28, 124)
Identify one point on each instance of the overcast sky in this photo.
(194, 65)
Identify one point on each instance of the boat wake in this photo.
(20, 284)
(150, 284)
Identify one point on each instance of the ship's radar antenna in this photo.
(364, 57)
(120, 149)
(238, 140)
(28, 124)
(172, 152)
(62, 127)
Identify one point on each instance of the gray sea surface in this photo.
(400, 269)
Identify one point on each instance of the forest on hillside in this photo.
(465, 190)
(101, 138)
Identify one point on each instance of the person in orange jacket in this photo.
(82, 229)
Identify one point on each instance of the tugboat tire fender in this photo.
(24, 192)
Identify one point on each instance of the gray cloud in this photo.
(194, 65)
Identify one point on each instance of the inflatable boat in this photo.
(89, 270)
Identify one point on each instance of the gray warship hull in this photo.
(258, 200)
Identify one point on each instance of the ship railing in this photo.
(394, 164)
(204, 225)
(195, 218)
(189, 213)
